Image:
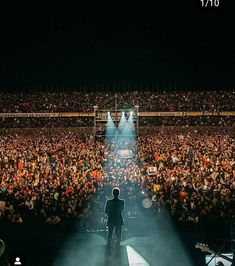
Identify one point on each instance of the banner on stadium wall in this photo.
(30, 114)
(227, 113)
(141, 114)
(77, 114)
(203, 114)
(162, 113)
(146, 114)
(5, 115)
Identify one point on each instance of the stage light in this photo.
(121, 123)
(111, 128)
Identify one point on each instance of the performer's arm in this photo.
(123, 205)
(107, 208)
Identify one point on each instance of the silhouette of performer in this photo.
(114, 208)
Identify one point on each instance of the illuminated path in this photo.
(134, 258)
(91, 250)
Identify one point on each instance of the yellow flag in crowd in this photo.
(155, 188)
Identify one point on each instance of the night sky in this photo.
(170, 44)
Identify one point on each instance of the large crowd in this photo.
(46, 122)
(196, 174)
(187, 121)
(82, 101)
(55, 177)
(74, 122)
(58, 176)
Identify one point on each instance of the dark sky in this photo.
(175, 44)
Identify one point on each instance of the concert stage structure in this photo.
(115, 118)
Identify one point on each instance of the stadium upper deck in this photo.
(212, 101)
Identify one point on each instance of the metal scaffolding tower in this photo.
(115, 106)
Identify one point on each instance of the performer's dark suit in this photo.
(114, 208)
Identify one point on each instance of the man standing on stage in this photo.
(114, 208)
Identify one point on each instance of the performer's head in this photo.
(116, 192)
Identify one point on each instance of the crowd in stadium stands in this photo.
(188, 121)
(81, 101)
(63, 122)
(46, 122)
(63, 176)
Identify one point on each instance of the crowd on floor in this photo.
(55, 177)
(73, 122)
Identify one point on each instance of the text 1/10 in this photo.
(210, 3)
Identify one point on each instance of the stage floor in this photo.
(89, 249)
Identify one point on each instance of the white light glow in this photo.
(134, 258)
